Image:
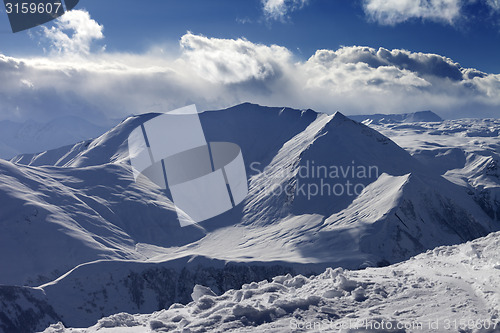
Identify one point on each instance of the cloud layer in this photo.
(216, 73)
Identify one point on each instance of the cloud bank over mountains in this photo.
(216, 73)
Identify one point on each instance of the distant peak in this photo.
(425, 116)
(419, 116)
(339, 116)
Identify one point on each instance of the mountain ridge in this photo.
(419, 116)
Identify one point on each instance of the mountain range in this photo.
(81, 240)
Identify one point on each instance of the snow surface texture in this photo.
(448, 289)
(87, 241)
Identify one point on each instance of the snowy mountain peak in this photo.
(339, 117)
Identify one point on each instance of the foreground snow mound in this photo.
(98, 289)
(448, 289)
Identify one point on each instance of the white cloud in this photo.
(391, 12)
(494, 4)
(216, 73)
(279, 9)
(345, 75)
(74, 33)
(396, 11)
(233, 61)
(422, 64)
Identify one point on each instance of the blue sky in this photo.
(108, 59)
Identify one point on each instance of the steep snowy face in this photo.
(324, 168)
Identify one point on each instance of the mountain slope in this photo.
(289, 200)
(50, 223)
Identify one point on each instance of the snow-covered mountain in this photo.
(323, 191)
(464, 151)
(413, 117)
